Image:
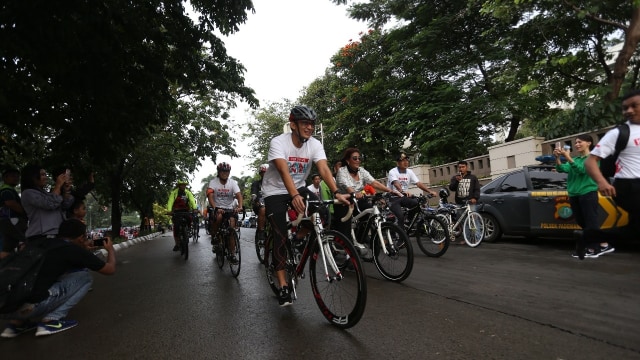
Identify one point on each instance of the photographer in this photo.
(62, 282)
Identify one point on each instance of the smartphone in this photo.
(67, 174)
(99, 242)
(558, 145)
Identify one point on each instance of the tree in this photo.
(266, 123)
(95, 84)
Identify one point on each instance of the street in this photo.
(518, 299)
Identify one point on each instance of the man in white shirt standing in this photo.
(626, 185)
(315, 184)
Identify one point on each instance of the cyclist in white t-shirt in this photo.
(399, 178)
(221, 193)
(290, 157)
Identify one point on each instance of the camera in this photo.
(99, 242)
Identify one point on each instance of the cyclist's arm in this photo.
(192, 200)
(210, 197)
(425, 188)
(170, 201)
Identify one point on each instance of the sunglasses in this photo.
(306, 123)
(356, 158)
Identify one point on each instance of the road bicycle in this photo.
(462, 219)
(195, 227)
(227, 244)
(338, 281)
(182, 220)
(382, 242)
(430, 230)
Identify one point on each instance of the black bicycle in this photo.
(337, 278)
(429, 229)
(182, 220)
(228, 244)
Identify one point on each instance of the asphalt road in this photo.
(519, 299)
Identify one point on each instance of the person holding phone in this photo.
(61, 283)
(45, 209)
(465, 185)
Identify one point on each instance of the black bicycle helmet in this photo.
(223, 166)
(301, 112)
(444, 193)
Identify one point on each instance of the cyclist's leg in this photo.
(233, 220)
(176, 234)
(276, 208)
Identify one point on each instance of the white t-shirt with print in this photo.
(406, 178)
(223, 195)
(628, 163)
(299, 161)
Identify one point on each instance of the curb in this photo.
(129, 243)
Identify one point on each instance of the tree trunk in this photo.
(631, 39)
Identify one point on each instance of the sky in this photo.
(284, 46)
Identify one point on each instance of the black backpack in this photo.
(18, 274)
(608, 164)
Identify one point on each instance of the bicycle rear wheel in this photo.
(432, 236)
(473, 229)
(397, 263)
(234, 257)
(342, 297)
(270, 268)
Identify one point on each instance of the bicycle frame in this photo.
(374, 221)
(318, 231)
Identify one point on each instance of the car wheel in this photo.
(492, 231)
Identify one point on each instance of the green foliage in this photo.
(136, 92)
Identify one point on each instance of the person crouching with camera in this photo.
(61, 283)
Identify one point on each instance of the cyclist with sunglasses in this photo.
(351, 179)
(399, 178)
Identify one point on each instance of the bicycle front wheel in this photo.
(396, 264)
(473, 229)
(432, 236)
(220, 251)
(234, 256)
(340, 295)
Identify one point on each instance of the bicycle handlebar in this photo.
(299, 219)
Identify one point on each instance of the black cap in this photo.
(71, 229)
(402, 156)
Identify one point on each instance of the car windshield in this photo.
(547, 179)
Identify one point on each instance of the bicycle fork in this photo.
(325, 251)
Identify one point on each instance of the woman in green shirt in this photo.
(583, 196)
